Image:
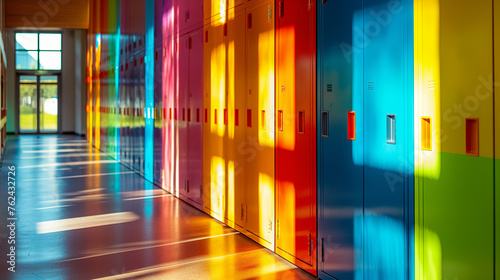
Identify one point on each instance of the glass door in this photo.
(38, 103)
(48, 103)
(28, 104)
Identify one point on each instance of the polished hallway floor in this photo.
(82, 215)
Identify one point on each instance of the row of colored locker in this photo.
(220, 108)
(3, 92)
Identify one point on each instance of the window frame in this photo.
(38, 70)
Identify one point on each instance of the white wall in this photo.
(73, 87)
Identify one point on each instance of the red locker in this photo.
(296, 133)
(193, 118)
(181, 104)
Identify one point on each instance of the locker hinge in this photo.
(277, 229)
(309, 244)
(322, 250)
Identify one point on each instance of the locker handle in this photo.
(225, 117)
(472, 136)
(351, 125)
(206, 115)
(263, 119)
(302, 122)
(391, 129)
(280, 120)
(282, 9)
(198, 115)
(324, 123)
(189, 114)
(249, 20)
(236, 117)
(215, 116)
(249, 117)
(426, 137)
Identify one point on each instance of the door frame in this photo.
(38, 74)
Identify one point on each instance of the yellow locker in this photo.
(259, 145)
(453, 122)
(214, 161)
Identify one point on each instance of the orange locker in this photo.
(296, 133)
(259, 145)
(234, 114)
(214, 129)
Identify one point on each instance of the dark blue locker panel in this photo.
(388, 133)
(340, 162)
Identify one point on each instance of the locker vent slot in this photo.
(329, 88)
(351, 125)
(249, 118)
(472, 137)
(324, 124)
(426, 124)
(391, 129)
(263, 119)
(280, 120)
(371, 85)
(236, 117)
(302, 121)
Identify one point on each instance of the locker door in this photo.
(388, 139)
(169, 89)
(340, 159)
(260, 124)
(158, 94)
(296, 133)
(195, 128)
(236, 111)
(215, 99)
(182, 108)
(456, 176)
(496, 112)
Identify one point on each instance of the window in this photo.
(38, 51)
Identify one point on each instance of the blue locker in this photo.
(365, 51)
(340, 180)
